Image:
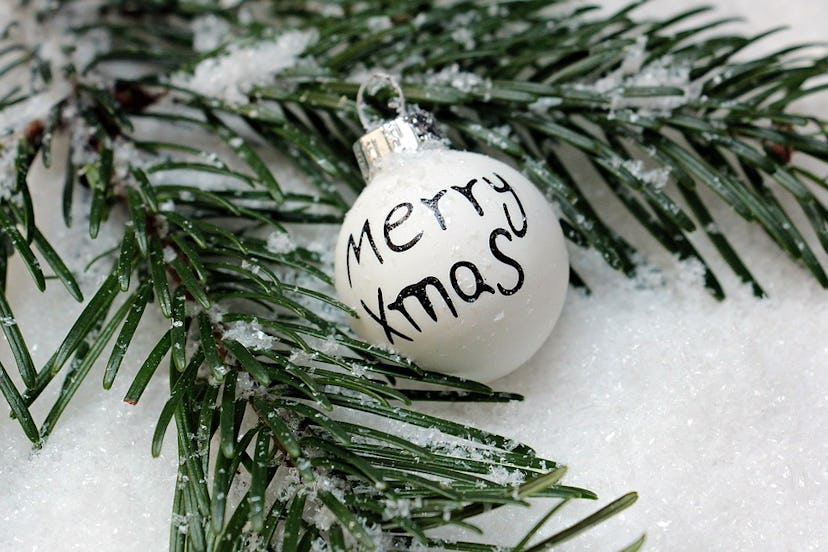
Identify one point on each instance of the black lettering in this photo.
(505, 259)
(432, 204)
(504, 189)
(466, 192)
(382, 320)
(480, 285)
(388, 226)
(357, 248)
(419, 291)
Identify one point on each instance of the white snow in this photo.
(96, 470)
(8, 173)
(47, 39)
(209, 32)
(714, 412)
(504, 476)
(250, 335)
(634, 73)
(280, 243)
(461, 80)
(379, 23)
(658, 177)
(169, 254)
(231, 74)
(33, 107)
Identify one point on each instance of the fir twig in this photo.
(261, 364)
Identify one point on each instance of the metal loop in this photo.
(387, 80)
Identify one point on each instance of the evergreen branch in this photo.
(261, 363)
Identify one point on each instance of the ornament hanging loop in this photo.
(407, 132)
(372, 84)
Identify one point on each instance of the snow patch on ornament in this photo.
(455, 260)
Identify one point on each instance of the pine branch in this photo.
(269, 391)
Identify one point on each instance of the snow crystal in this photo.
(241, 66)
(464, 81)
(249, 334)
(495, 137)
(544, 104)
(126, 156)
(319, 545)
(246, 386)
(255, 268)
(633, 73)
(101, 436)
(50, 34)
(461, 33)
(505, 476)
(8, 173)
(636, 55)
(464, 19)
(498, 10)
(379, 23)
(325, 7)
(302, 358)
(400, 507)
(181, 522)
(287, 483)
(169, 254)
(209, 32)
(657, 178)
(322, 517)
(34, 107)
(280, 243)
(464, 37)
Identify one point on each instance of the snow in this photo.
(35, 106)
(379, 23)
(250, 335)
(96, 470)
(8, 172)
(169, 254)
(503, 476)
(280, 243)
(634, 73)
(658, 178)
(47, 41)
(240, 67)
(461, 80)
(209, 32)
(714, 412)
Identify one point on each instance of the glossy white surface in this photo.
(462, 265)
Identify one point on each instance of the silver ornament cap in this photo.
(409, 131)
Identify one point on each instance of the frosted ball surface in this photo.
(455, 260)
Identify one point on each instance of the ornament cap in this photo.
(407, 133)
(410, 131)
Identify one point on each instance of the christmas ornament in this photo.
(451, 258)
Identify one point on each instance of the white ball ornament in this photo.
(450, 258)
